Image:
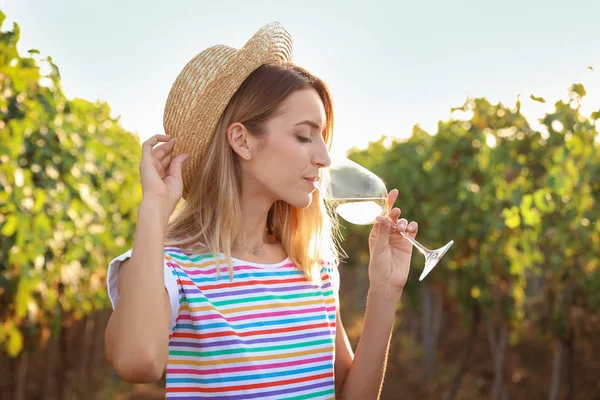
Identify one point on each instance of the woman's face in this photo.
(285, 163)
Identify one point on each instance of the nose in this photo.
(321, 158)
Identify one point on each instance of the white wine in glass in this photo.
(359, 196)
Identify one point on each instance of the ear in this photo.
(238, 138)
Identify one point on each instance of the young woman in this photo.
(236, 295)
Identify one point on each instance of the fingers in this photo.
(164, 149)
(399, 225)
(393, 216)
(176, 166)
(384, 226)
(413, 228)
(149, 144)
(166, 160)
(404, 226)
(162, 153)
(392, 197)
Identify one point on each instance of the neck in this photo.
(253, 232)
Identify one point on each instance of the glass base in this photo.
(433, 257)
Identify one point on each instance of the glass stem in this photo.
(424, 250)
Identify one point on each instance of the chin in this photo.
(300, 201)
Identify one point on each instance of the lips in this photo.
(312, 181)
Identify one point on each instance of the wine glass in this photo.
(359, 196)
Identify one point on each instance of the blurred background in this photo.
(483, 114)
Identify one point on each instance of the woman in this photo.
(237, 295)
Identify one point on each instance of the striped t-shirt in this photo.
(267, 334)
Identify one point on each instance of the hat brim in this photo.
(271, 44)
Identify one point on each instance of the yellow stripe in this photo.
(250, 359)
(185, 307)
(267, 306)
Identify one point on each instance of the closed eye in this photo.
(304, 139)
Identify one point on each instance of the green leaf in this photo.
(543, 200)
(24, 290)
(14, 344)
(538, 99)
(512, 219)
(530, 215)
(40, 199)
(578, 89)
(10, 226)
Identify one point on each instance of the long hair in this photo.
(211, 213)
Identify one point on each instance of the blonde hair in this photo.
(211, 213)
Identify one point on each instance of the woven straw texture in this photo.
(205, 86)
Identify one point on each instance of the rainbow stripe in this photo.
(268, 334)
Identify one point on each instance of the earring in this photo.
(247, 155)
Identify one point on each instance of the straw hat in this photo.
(205, 86)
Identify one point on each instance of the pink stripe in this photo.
(186, 316)
(247, 368)
(253, 316)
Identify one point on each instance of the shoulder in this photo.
(192, 260)
(173, 253)
(330, 274)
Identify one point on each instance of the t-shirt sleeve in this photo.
(332, 270)
(335, 279)
(170, 284)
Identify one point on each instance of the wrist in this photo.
(155, 212)
(386, 291)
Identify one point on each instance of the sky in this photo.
(389, 64)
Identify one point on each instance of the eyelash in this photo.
(304, 140)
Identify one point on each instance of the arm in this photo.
(360, 376)
(137, 334)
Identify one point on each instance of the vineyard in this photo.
(520, 202)
(68, 201)
(522, 206)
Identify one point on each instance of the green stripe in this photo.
(260, 298)
(250, 350)
(183, 299)
(193, 259)
(311, 395)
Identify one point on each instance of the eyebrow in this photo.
(310, 123)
